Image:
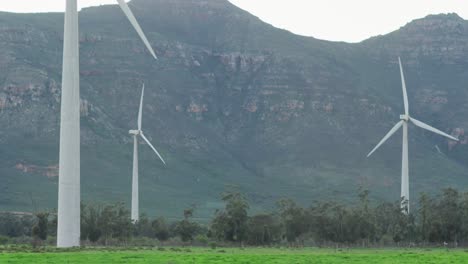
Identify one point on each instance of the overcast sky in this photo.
(339, 20)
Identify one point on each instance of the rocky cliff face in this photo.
(440, 37)
(232, 101)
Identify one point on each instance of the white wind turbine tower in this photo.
(136, 133)
(68, 228)
(404, 119)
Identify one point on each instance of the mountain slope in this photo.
(232, 101)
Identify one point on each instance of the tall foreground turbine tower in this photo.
(68, 226)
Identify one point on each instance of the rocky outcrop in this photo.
(48, 171)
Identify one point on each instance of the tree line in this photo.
(440, 219)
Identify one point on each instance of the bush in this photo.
(202, 240)
(213, 245)
(143, 242)
(4, 240)
(23, 240)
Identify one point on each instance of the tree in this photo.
(385, 215)
(186, 228)
(143, 227)
(39, 230)
(219, 226)
(231, 223)
(106, 222)
(449, 211)
(52, 230)
(404, 228)
(16, 225)
(264, 229)
(236, 209)
(90, 229)
(293, 219)
(160, 229)
(464, 216)
(365, 219)
(425, 219)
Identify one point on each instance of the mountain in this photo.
(231, 101)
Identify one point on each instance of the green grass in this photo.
(254, 256)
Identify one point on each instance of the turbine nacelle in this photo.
(134, 132)
(405, 118)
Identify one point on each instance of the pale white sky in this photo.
(339, 20)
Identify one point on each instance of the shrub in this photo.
(4, 240)
(213, 245)
(202, 240)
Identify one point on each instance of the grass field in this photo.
(253, 256)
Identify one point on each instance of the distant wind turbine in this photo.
(404, 119)
(135, 193)
(68, 226)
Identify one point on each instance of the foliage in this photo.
(15, 225)
(293, 218)
(40, 228)
(264, 229)
(160, 229)
(143, 227)
(438, 220)
(4, 240)
(186, 228)
(108, 222)
(231, 223)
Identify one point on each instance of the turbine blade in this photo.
(403, 85)
(140, 111)
(389, 134)
(134, 22)
(151, 146)
(434, 130)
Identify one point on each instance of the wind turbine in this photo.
(136, 133)
(68, 227)
(404, 119)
